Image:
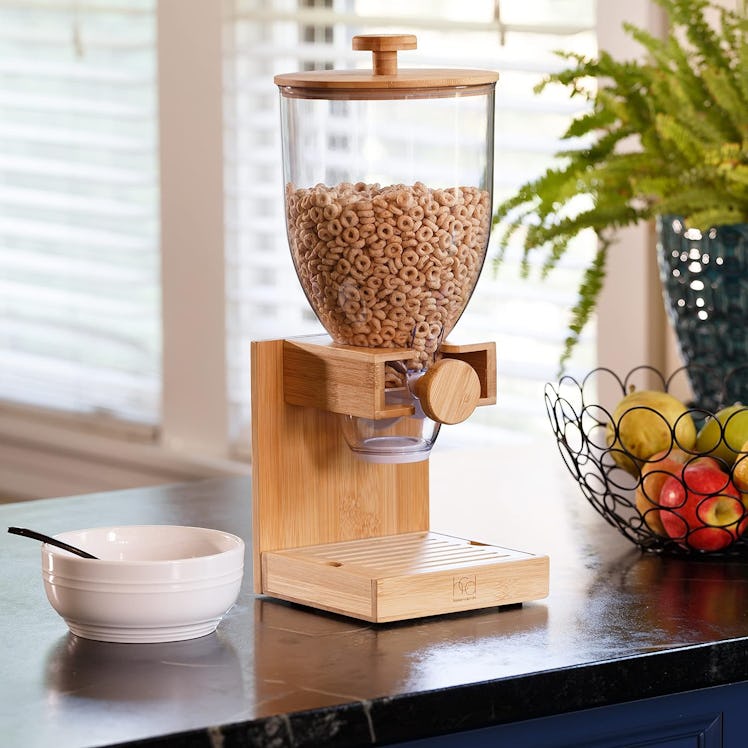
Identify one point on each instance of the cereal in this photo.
(388, 266)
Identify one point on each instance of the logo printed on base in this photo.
(463, 588)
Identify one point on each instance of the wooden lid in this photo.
(384, 80)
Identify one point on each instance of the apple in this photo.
(740, 469)
(646, 422)
(654, 472)
(723, 434)
(702, 509)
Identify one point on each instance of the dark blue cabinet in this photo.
(710, 718)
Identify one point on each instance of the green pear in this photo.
(646, 422)
(724, 434)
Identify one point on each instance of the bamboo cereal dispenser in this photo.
(388, 232)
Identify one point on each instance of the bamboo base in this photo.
(398, 577)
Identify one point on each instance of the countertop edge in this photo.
(413, 716)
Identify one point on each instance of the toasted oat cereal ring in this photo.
(394, 264)
(376, 246)
(385, 231)
(342, 266)
(321, 198)
(410, 257)
(334, 227)
(331, 211)
(393, 249)
(412, 305)
(424, 233)
(361, 340)
(351, 308)
(349, 218)
(446, 197)
(405, 222)
(462, 213)
(350, 235)
(416, 213)
(387, 333)
(449, 288)
(362, 263)
(404, 198)
(444, 239)
(409, 274)
(462, 273)
(349, 291)
(391, 282)
(375, 340)
(433, 278)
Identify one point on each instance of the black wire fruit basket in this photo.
(687, 497)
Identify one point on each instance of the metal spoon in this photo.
(51, 541)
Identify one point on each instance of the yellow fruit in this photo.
(646, 422)
(724, 434)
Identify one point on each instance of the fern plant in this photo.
(666, 136)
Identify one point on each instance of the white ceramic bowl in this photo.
(149, 583)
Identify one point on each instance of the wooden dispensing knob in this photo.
(449, 391)
(384, 49)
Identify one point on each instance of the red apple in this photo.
(654, 472)
(705, 511)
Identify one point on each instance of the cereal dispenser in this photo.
(387, 179)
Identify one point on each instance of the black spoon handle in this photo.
(51, 541)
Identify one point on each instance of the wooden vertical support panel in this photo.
(308, 488)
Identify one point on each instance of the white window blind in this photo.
(264, 298)
(80, 286)
(79, 258)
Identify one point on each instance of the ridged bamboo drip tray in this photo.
(410, 575)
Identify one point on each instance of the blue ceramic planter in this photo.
(705, 286)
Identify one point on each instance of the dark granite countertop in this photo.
(617, 626)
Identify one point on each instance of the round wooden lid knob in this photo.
(384, 48)
(449, 391)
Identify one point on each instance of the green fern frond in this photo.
(714, 216)
(728, 98)
(667, 135)
(687, 146)
(737, 174)
(690, 15)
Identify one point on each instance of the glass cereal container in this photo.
(388, 191)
